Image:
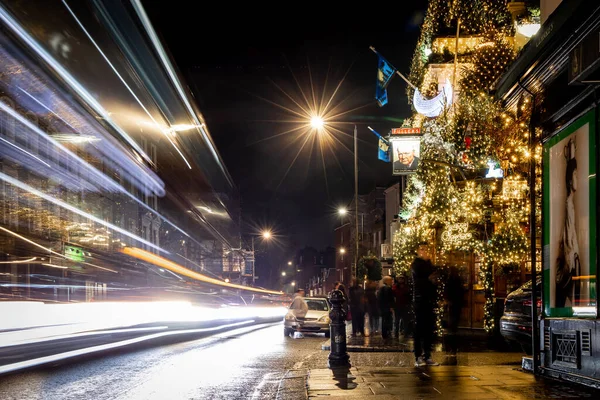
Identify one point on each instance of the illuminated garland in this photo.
(475, 131)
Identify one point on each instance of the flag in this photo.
(383, 152)
(385, 73)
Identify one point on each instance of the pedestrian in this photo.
(402, 302)
(454, 293)
(357, 307)
(386, 306)
(424, 298)
(372, 306)
(299, 293)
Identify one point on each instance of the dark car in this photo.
(515, 324)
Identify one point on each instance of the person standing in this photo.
(402, 302)
(357, 307)
(424, 297)
(372, 307)
(386, 307)
(454, 296)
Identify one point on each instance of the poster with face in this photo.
(406, 154)
(569, 228)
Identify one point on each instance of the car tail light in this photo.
(527, 303)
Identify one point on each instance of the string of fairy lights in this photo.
(486, 217)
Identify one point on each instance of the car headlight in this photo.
(325, 318)
(290, 317)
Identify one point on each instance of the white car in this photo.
(307, 314)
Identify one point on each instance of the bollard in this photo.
(338, 356)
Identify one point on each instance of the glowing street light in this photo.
(293, 283)
(283, 273)
(289, 263)
(317, 122)
(266, 235)
(342, 251)
(342, 211)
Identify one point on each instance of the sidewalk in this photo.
(441, 382)
(471, 340)
(486, 369)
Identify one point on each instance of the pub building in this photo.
(559, 70)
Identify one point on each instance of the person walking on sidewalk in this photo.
(424, 297)
(402, 302)
(357, 307)
(453, 296)
(386, 307)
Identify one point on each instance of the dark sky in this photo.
(235, 59)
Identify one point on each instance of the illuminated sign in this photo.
(406, 154)
(406, 131)
(74, 253)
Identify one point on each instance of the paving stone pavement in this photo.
(439, 382)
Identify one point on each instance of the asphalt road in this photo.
(248, 363)
(255, 362)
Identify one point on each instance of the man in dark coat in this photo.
(357, 307)
(402, 300)
(424, 299)
(386, 307)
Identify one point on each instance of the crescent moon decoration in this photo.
(433, 107)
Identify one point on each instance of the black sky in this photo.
(233, 59)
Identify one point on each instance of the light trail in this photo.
(89, 36)
(78, 88)
(76, 210)
(137, 5)
(170, 265)
(50, 250)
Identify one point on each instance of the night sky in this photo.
(235, 62)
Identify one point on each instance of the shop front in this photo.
(558, 70)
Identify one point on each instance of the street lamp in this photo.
(289, 263)
(283, 273)
(266, 235)
(342, 211)
(317, 122)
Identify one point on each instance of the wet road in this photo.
(247, 363)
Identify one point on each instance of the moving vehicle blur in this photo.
(307, 314)
(515, 324)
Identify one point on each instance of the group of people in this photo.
(384, 306)
(388, 306)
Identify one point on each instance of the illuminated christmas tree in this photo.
(449, 201)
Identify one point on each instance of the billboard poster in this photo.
(569, 215)
(406, 154)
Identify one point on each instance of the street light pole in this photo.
(253, 263)
(356, 199)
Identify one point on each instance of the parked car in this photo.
(307, 314)
(515, 324)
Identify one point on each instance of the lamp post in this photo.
(266, 235)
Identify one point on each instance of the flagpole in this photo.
(356, 199)
(397, 72)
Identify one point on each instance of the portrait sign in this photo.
(569, 215)
(406, 154)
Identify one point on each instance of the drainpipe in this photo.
(532, 237)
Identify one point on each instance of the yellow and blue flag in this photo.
(383, 151)
(385, 73)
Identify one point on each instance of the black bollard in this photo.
(338, 357)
